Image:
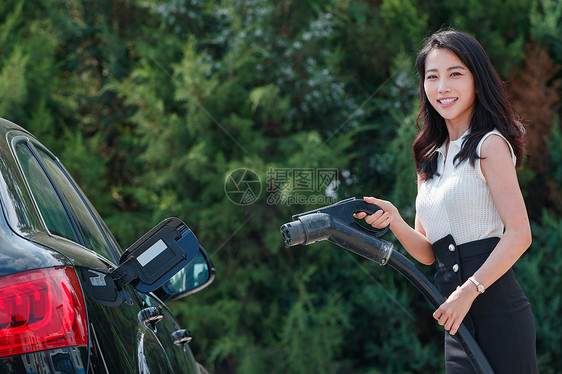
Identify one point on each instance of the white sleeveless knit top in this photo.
(458, 200)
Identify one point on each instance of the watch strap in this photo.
(479, 286)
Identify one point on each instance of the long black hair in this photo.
(492, 109)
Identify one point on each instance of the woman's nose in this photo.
(443, 86)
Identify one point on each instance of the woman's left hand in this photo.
(452, 312)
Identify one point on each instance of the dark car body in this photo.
(71, 301)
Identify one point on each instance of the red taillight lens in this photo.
(41, 309)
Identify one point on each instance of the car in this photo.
(71, 300)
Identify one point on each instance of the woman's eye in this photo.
(431, 77)
(456, 74)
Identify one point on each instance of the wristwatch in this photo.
(479, 286)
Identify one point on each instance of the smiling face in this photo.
(449, 87)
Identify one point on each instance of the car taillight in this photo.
(41, 309)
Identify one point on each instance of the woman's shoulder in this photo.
(490, 133)
(493, 142)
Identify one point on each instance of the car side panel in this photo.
(180, 356)
(18, 254)
(120, 343)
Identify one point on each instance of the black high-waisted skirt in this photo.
(500, 319)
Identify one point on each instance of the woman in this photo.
(470, 214)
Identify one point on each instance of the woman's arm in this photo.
(413, 240)
(497, 167)
(501, 177)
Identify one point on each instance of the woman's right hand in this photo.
(381, 218)
(414, 241)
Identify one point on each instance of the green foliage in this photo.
(152, 105)
(539, 272)
(546, 26)
(404, 16)
(28, 88)
(82, 160)
(312, 335)
(12, 81)
(556, 153)
(501, 26)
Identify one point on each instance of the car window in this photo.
(48, 202)
(93, 236)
